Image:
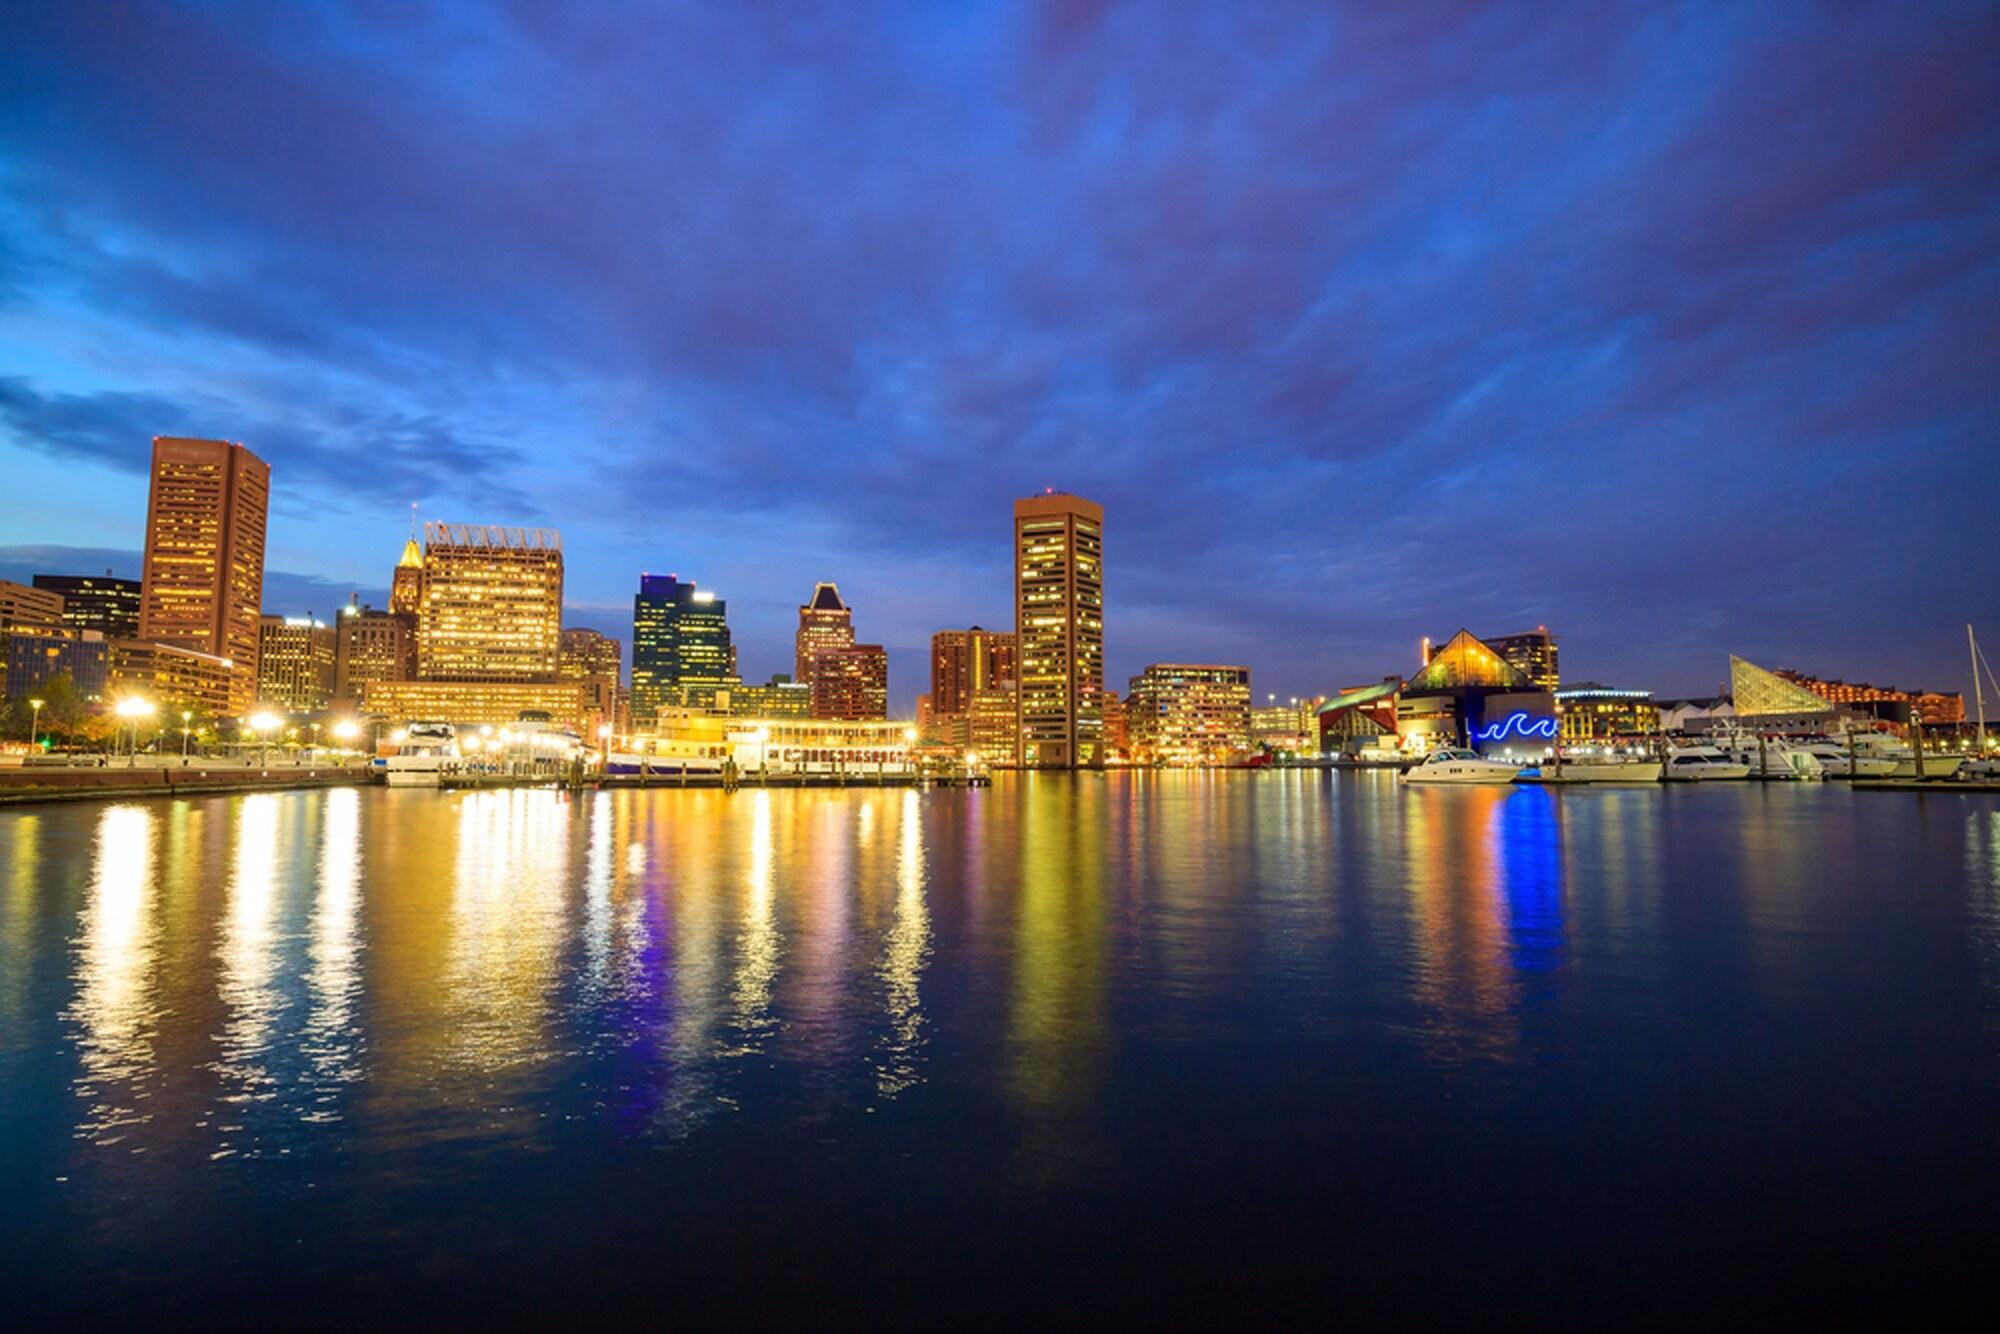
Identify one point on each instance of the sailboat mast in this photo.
(1978, 695)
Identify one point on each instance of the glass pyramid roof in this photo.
(1760, 693)
(1468, 661)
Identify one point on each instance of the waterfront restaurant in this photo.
(1469, 695)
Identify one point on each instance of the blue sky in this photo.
(1674, 328)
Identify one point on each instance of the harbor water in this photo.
(1063, 1044)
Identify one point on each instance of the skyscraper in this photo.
(825, 622)
(97, 602)
(1059, 627)
(966, 661)
(406, 586)
(371, 645)
(851, 683)
(1534, 654)
(681, 653)
(203, 586)
(295, 663)
(491, 603)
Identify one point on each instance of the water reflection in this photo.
(114, 1011)
(906, 949)
(759, 944)
(331, 1042)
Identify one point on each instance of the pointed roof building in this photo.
(1759, 693)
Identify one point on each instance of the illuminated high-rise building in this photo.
(371, 645)
(203, 588)
(21, 604)
(295, 663)
(851, 683)
(1188, 713)
(681, 654)
(825, 622)
(596, 661)
(491, 603)
(1534, 654)
(406, 586)
(99, 602)
(1059, 627)
(966, 661)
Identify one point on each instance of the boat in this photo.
(1837, 763)
(1702, 764)
(1451, 765)
(1596, 770)
(1903, 760)
(425, 753)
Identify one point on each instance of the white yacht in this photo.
(1833, 758)
(425, 753)
(1595, 769)
(1702, 764)
(1451, 765)
(1882, 746)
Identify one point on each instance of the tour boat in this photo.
(1460, 766)
(1701, 764)
(425, 753)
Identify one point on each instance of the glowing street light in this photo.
(346, 730)
(132, 708)
(263, 724)
(34, 718)
(187, 717)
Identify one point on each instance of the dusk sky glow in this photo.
(1672, 328)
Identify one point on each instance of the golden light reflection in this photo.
(758, 945)
(905, 952)
(507, 923)
(114, 1010)
(1461, 980)
(20, 852)
(247, 955)
(599, 863)
(334, 978)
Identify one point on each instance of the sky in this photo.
(1674, 328)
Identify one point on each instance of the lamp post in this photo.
(344, 732)
(187, 716)
(263, 724)
(34, 718)
(604, 746)
(132, 709)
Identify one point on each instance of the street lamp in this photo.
(34, 718)
(263, 724)
(132, 709)
(604, 744)
(344, 732)
(187, 716)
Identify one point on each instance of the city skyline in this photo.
(1678, 326)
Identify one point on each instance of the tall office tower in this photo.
(491, 605)
(406, 586)
(966, 661)
(204, 577)
(595, 661)
(825, 622)
(97, 602)
(851, 683)
(1059, 625)
(681, 653)
(1533, 654)
(295, 663)
(371, 645)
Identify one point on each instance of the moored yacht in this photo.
(1903, 760)
(1837, 763)
(425, 753)
(1451, 765)
(1595, 769)
(1702, 764)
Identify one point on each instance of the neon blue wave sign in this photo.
(1518, 721)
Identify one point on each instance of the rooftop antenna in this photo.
(413, 521)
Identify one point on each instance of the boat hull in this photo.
(1584, 771)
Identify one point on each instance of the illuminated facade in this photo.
(991, 726)
(35, 656)
(851, 683)
(781, 697)
(477, 703)
(702, 740)
(97, 602)
(681, 654)
(1059, 628)
(1188, 713)
(825, 623)
(964, 661)
(1468, 694)
(490, 606)
(1593, 712)
(1533, 654)
(595, 661)
(174, 679)
(295, 663)
(1933, 706)
(21, 604)
(204, 573)
(1761, 694)
(406, 586)
(371, 645)
(1359, 718)
(1117, 731)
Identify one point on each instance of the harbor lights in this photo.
(263, 724)
(345, 731)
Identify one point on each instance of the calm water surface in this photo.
(343, 1055)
